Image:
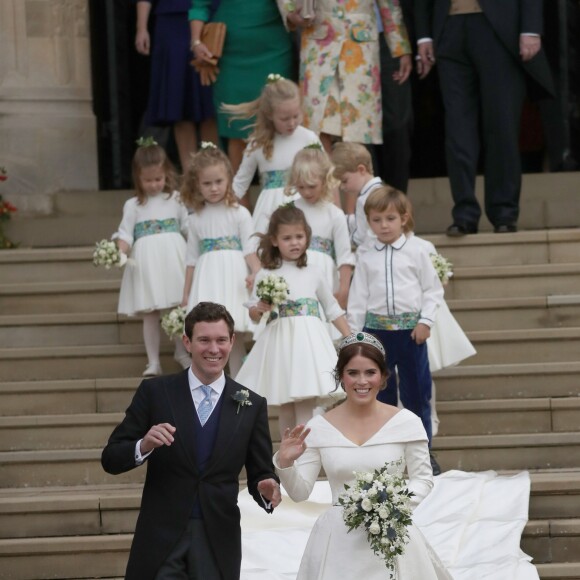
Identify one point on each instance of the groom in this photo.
(196, 430)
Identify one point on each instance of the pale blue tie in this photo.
(205, 407)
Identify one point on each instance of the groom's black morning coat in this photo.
(173, 480)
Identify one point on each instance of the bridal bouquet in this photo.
(172, 322)
(272, 289)
(107, 254)
(380, 503)
(443, 267)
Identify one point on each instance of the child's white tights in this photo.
(152, 336)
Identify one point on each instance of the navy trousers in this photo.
(409, 361)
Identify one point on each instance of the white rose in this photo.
(375, 529)
(383, 513)
(367, 505)
(372, 492)
(368, 477)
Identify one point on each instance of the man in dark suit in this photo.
(196, 430)
(486, 52)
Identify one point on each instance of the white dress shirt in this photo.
(390, 280)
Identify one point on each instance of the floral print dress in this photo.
(340, 66)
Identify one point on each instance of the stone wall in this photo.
(47, 128)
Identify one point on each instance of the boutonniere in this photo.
(242, 398)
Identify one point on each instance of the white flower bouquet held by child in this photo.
(273, 290)
(380, 502)
(172, 322)
(443, 267)
(107, 254)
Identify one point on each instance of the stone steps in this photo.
(516, 281)
(552, 381)
(94, 328)
(522, 248)
(69, 367)
(77, 430)
(121, 359)
(42, 265)
(525, 380)
(518, 451)
(69, 329)
(72, 431)
(509, 416)
(511, 451)
(514, 346)
(106, 556)
(112, 508)
(59, 297)
(517, 313)
(62, 362)
(467, 283)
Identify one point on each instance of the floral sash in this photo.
(151, 227)
(224, 243)
(274, 179)
(324, 245)
(405, 321)
(300, 307)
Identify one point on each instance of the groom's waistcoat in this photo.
(204, 443)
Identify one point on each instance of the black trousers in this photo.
(481, 80)
(191, 558)
(393, 157)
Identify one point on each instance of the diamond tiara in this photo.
(361, 337)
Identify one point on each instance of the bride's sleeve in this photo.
(419, 470)
(299, 479)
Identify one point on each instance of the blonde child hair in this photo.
(268, 253)
(385, 196)
(151, 154)
(208, 156)
(276, 90)
(346, 157)
(310, 165)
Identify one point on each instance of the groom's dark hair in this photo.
(208, 312)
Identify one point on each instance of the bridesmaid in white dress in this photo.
(276, 138)
(220, 259)
(329, 250)
(362, 434)
(152, 233)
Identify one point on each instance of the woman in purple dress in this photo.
(176, 96)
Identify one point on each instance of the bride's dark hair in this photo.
(348, 352)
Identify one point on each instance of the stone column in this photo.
(47, 127)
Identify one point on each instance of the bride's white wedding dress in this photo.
(468, 528)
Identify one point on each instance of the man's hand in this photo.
(270, 490)
(142, 42)
(529, 46)
(425, 58)
(421, 333)
(157, 436)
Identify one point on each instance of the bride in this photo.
(361, 434)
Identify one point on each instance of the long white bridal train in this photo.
(473, 521)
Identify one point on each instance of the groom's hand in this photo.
(270, 491)
(157, 436)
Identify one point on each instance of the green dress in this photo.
(256, 45)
